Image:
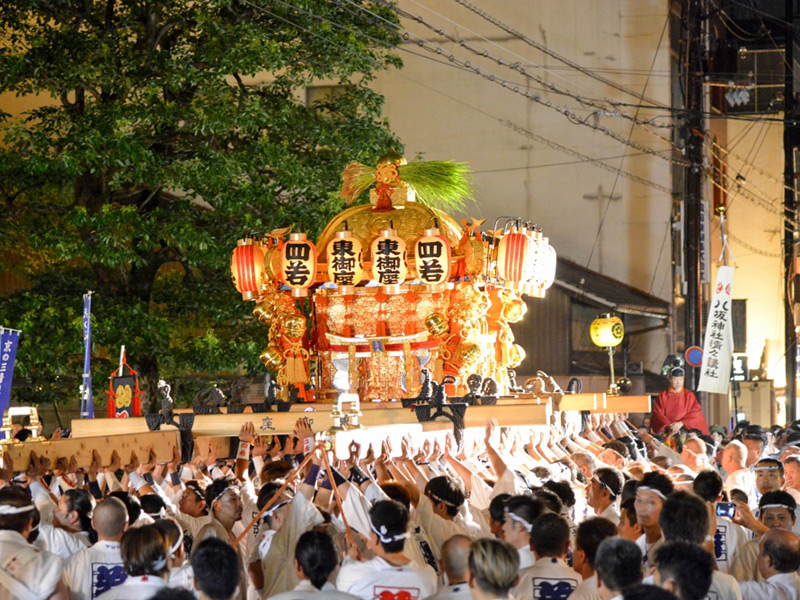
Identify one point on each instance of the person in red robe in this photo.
(677, 408)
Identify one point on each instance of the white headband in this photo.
(160, 564)
(610, 491)
(178, 543)
(7, 509)
(442, 500)
(786, 506)
(768, 468)
(654, 490)
(520, 520)
(276, 507)
(222, 493)
(383, 534)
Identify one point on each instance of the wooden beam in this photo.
(275, 423)
(625, 404)
(81, 448)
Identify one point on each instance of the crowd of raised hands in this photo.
(523, 512)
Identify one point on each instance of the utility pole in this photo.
(692, 203)
(791, 140)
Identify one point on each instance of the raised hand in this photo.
(172, 465)
(247, 432)
(133, 465)
(95, 465)
(260, 446)
(115, 462)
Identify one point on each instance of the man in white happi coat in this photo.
(549, 578)
(618, 566)
(590, 535)
(145, 557)
(455, 567)
(778, 561)
(604, 488)
(26, 573)
(685, 518)
(520, 512)
(95, 570)
(315, 558)
(728, 536)
(390, 574)
(776, 511)
(684, 569)
(216, 567)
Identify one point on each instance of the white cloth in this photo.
(728, 538)
(369, 579)
(305, 590)
(43, 501)
(587, 590)
(744, 566)
(784, 586)
(458, 591)
(93, 571)
(526, 558)
(649, 552)
(60, 541)
(278, 565)
(745, 480)
(438, 529)
(549, 577)
(183, 577)
(25, 565)
(611, 513)
(135, 588)
(723, 587)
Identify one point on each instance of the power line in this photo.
(504, 122)
(521, 36)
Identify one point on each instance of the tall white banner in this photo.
(715, 373)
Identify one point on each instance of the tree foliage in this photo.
(176, 126)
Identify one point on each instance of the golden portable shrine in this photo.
(395, 292)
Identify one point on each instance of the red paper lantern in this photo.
(299, 264)
(247, 268)
(513, 258)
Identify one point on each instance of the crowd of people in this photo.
(590, 509)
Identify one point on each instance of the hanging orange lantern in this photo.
(513, 258)
(389, 258)
(247, 268)
(344, 261)
(433, 258)
(299, 264)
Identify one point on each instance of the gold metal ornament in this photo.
(515, 310)
(264, 312)
(469, 353)
(516, 355)
(436, 324)
(271, 358)
(294, 326)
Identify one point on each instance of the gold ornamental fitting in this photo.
(271, 358)
(296, 237)
(392, 157)
(431, 231)
(436, 324)
(392, 290)
(294, 326)
(264, 312)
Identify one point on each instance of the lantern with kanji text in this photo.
(344, 261)
(389, 259)
(298, 264)
(433, 258)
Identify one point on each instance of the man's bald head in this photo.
(779, 553)
(455, 558)
(110, 519)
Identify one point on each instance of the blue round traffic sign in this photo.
(694, 356)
